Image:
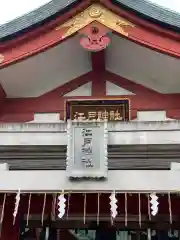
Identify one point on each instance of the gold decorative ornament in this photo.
(1, 58)
(98, 13)
(94, 12)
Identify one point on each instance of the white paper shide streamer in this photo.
(113, 204)
(154, 204)
(61, 205)
(17, 201)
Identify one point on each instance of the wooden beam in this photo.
(69, 86)
(98, 74)
(69, 224)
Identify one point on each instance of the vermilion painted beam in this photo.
(2, 98)
(22, 110)
(69, 86)
(128, 84)
(98, 70)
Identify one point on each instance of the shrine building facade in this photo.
(90, 122)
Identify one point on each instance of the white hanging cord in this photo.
(2, 213)
(3, 208)
(29, 207)
(16, 207)
(139, 200)
(126, 209)
(170, 208)
(85, 203)
(68, 205)
(98, 208)
(43, 210)
(149, 207)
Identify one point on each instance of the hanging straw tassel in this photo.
(43, 210)
(113, 206)
(125, 196)
(84, 217)
(68, 204)
(170, 208)
(29, 207)
(139, 200)
(98, 208)
(16, 207)
(149, 208)
(61, 205)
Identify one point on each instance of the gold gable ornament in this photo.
(98, 13)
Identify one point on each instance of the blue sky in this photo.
(11, 9)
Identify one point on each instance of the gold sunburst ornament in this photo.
(98, 13)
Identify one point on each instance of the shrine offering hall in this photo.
(90, 122)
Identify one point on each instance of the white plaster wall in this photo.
(112, 90)
(85, 90)
(46, 71)
(33, 138)
(54, 133)
(151, 69)
(151, 116)
(46, 117)
(145, 137)
(119, 180)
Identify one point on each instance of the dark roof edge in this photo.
(153, 12)
(34, 17)
(144, 7)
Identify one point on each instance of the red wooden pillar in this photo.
(98, 74)
(10, 231)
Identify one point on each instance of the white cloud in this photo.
(169, 4)
(11, 9)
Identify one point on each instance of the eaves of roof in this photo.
(35, 17)
(143, 7)
(152, 12)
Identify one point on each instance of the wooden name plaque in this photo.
(99, 109)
